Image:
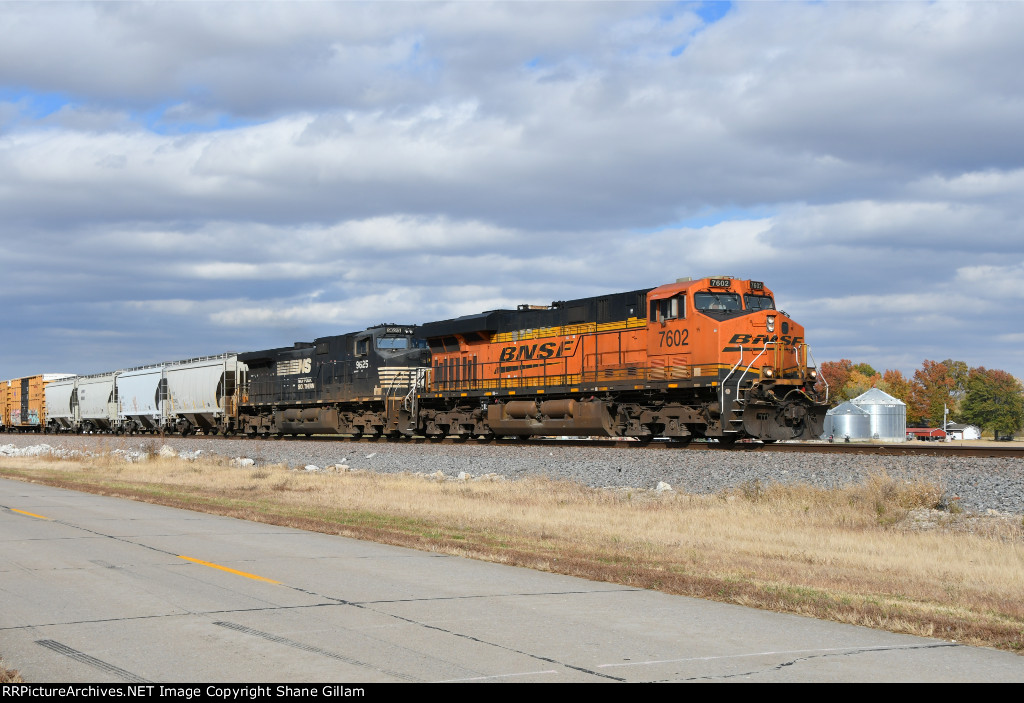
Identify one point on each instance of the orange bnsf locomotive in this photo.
(711, 357)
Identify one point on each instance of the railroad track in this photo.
(1009, 450)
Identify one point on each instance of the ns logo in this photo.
(294, 366)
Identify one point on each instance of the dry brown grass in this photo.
(854, 555)
(9, 675)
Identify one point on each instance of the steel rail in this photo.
(1007, 450)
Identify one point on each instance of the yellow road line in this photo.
(224, 568)
(25, 512)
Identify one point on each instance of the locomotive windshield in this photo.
(401, 343)
(717, 302)
(758, 302)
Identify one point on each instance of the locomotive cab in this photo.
(729, 332)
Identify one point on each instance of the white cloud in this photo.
(246, 172)
(994, 284)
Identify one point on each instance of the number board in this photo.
(720, 282)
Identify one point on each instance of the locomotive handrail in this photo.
(750, 365)
(725, 381)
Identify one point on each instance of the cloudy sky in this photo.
(186, 178)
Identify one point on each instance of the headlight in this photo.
(812, 373)
(767, 372)
(771, 323)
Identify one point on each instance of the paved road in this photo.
(98, 589)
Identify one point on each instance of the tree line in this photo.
(992, 399)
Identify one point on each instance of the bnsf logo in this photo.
(547, 350)
(762, 338)
(289, 368)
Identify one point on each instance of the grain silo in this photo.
(847, 420)
(888, 415)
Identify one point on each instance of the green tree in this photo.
(994, 401)
(865, 369)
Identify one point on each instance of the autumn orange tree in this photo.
(936, 386)
(895, 384)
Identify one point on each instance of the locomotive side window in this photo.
(758, 302)
(669, 309)
(717, 302)
(363, 346)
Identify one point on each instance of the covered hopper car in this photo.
(184, 396)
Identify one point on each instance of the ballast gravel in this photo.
(975, 484)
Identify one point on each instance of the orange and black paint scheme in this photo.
(710, 357)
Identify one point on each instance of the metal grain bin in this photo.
(847, 420)
(888, 415)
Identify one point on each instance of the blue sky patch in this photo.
(34, 106)
(711, 12)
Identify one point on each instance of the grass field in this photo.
(877, 554)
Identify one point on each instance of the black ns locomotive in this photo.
(359, 383)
